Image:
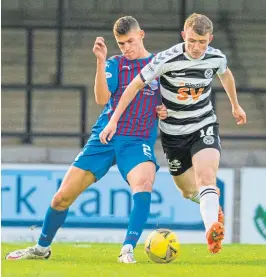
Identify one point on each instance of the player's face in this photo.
(195, 44)
(131, 44)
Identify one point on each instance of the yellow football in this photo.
(162, 246)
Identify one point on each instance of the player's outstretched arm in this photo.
(228, 82)
(101, 91)
(129, 94)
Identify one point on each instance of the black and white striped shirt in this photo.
(185, 85)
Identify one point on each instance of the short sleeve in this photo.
(223, 66)
(111, 73)
(153, 69)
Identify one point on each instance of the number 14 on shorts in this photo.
(209, 132)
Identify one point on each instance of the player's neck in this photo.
(144, 54)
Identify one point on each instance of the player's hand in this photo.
(100, 49)
(240, 115)
(162, 112)
(108, 132)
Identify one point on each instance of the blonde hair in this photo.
(199, 23)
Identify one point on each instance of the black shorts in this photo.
(179, 150)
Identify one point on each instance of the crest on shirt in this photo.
(208, 73)
(154, 84)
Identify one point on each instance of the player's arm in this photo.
(101, 91)
(228, 82)
(106, 77)
(129, 94)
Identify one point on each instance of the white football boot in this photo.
(127, 255)
(30, 253)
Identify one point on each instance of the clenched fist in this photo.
(100, 49)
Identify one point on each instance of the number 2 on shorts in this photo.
(146, 150)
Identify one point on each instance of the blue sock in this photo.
(138, 217)
(52, 222)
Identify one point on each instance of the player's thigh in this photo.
(92, 163)
(206, 163)
(141, 177)
(74, 183)
(137, 163)
(206, 155)
(186, 183)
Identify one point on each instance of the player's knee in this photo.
(60, 201)
(142, 184)
(206, 177)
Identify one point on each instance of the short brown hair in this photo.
(124, 25)
(199, 23)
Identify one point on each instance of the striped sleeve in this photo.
(152, 70)
(156, 67)
(223, 65)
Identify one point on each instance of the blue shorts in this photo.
(126, 152)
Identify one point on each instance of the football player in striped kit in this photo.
(190, 133)
(132, 148)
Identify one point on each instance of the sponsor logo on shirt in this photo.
(147, 91)
(178, 74)
(200, 85)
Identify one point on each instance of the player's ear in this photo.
(183, 34)
(142, 33)
(211, 38)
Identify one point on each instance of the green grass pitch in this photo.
(100, 260)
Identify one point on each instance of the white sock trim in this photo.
(205, 189)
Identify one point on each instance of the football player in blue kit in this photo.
(132, 148)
